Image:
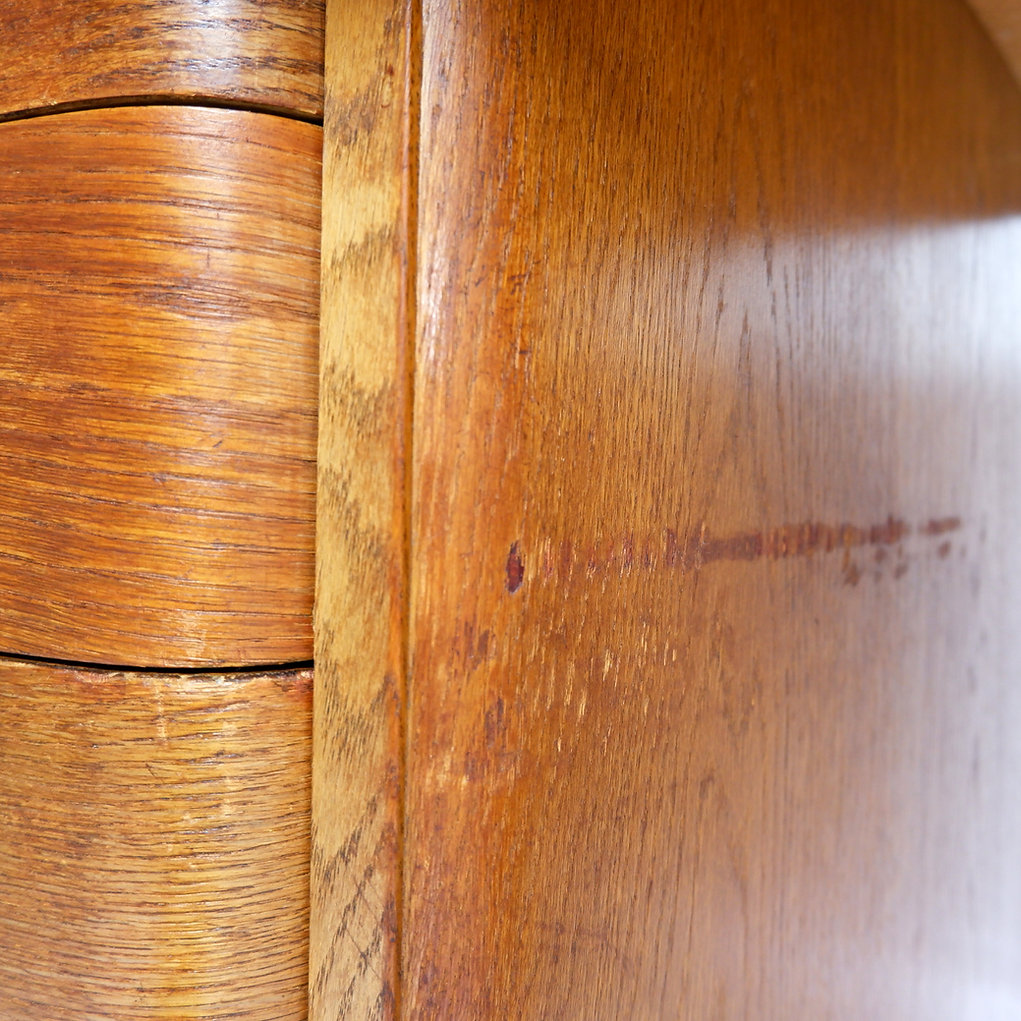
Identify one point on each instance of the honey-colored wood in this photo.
(153, 844)
(158, 310)
(1002, 18)
(263, 53)
(701, 286)
(713, 689)
(360, 588)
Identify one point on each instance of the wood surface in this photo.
(153, 844)
(158, 311)
(361, 600)
(1002, 19)
(254, 53)
(713, 684)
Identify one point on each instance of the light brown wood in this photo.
(705, 285)
(262, 53)
(713, 569)
(159, 292)
(361, 534)
(1002, 18)
(154, 844)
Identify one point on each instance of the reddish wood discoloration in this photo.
(515, 568)
(940, 526)
(699, 549)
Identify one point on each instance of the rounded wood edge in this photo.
(159, 274)
(261, 53)
(154, 834)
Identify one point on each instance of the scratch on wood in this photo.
(692, 552)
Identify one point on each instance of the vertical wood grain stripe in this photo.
(153, 844)
(360, 594)
(264, 53)
(158, 314)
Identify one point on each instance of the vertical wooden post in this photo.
(361, 541)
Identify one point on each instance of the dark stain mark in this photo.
(900, 570)
(482, 645)
(470, 647)
(940, 526)
(943, 549)
(515, 569)
(692, 552)
(706, 786)
(560, 938)
(779, 543)
(297, 683)
(494, 722)
(852, 573)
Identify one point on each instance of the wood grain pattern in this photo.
(158, 311)
(263, 53)
(154, 844)
(1002, 18)
(715, 573)
(361, 561)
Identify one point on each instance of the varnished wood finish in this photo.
(713, 692)
(158, 309)
(360, 589)
(154, 844)
(1002, 18)
(264, 53)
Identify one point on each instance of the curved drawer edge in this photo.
(154, 835)
(159, 289)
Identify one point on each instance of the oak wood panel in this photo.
(1003, 20)
(361, 604)
(154, 844)
(158, 315)
(714, 570)
(265, 53)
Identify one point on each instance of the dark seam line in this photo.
(212, 668)
(119, 102)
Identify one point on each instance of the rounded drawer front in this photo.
(257, 53)
(154, 840)
(159, 276)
